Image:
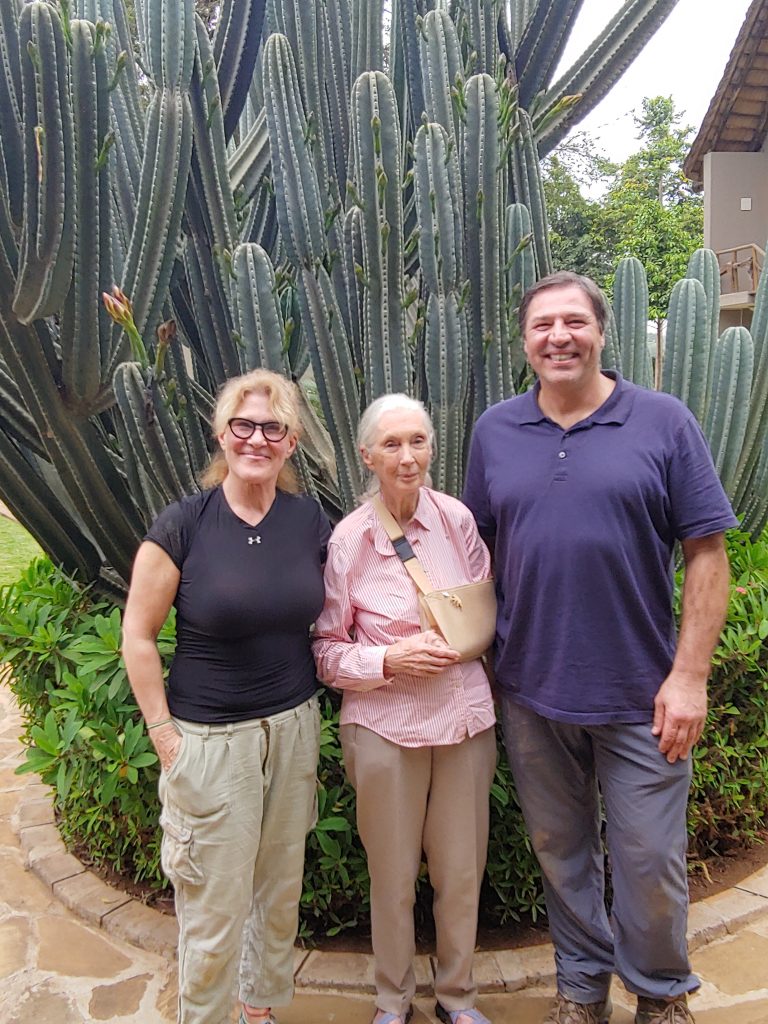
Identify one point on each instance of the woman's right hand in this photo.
(425, 654)
(166, 740)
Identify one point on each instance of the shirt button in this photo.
(562, 455)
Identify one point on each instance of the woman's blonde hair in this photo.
(283, 399)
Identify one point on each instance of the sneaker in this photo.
(659, 1011)
(565, 1011)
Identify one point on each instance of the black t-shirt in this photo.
(246, 600)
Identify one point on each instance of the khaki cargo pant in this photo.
(238, 802)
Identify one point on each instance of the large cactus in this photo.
(300, 192)
(724, 381)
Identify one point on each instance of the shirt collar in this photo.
(381, 542)
(615, 409)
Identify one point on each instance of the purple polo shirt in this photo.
(584, 523)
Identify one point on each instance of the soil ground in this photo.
(716, 875)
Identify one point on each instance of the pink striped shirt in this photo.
(371, 602)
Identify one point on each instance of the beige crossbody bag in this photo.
(465, 616)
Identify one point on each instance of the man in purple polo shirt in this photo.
(582, 486)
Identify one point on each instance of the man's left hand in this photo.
(680, 709)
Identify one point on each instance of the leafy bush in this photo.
(82, 728)
(86, 739)
(729, 797)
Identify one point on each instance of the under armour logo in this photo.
(254, 540)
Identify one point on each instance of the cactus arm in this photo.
(521, 274)
(339, 83)
(757, 423)
(235, 48)
(189, 419)
(127, 96)
(529, 190)
(404, 47)
(209, 155)
(10, 107)
(261, 223)
(685, 368)
(34, 504)
(482, 230)
(755, 518)
(630, 302)
(376, 159)
(367, 53)
(47, 240)
(299, 210)
(353, 257)
(169, 41)
(257, 315)
(611, 356)
(438, 209)
(483, 18)
(335, 376)
(86, 328)
(704, 267)
(14, 418)
(74, 448)
(305, 27)
(441, 64)
(445, 365)
(164, 173)
(441, 243)
(7, 231)
(726, 423)
(209, 293)
(155, 438)
(601, 66)
(542, 44)
(251, 160)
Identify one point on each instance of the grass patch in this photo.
(17, 549)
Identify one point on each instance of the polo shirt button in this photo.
(562, 455)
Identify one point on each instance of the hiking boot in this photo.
(565, 1011)
(660, 1011)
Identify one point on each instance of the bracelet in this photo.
(156, 725)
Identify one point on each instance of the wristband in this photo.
(156, 725)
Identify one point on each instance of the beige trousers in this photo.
(433, 799)
(238, 802)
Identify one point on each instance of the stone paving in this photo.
(72, 950)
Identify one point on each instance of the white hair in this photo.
(368, 428)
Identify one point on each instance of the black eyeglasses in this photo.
(243, 428)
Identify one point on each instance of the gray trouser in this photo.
(560, 771)
(435, 799)
(238, 802)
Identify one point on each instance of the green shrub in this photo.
(81, 723)
(86, 739)
(729, 796)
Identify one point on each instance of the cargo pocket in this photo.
(177, 852)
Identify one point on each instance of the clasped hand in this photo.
(424, 654)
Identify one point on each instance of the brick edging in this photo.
(127, 918)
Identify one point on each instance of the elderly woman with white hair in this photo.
(417, 726)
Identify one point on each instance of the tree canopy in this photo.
(648, 208)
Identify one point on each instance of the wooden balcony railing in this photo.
(740, 268)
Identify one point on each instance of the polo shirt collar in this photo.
(615, 409)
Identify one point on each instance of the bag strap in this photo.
(401, 545)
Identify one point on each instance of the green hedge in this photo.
(85, 738)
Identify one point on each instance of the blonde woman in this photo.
(237, 728)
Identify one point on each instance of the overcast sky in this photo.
(685, 59)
